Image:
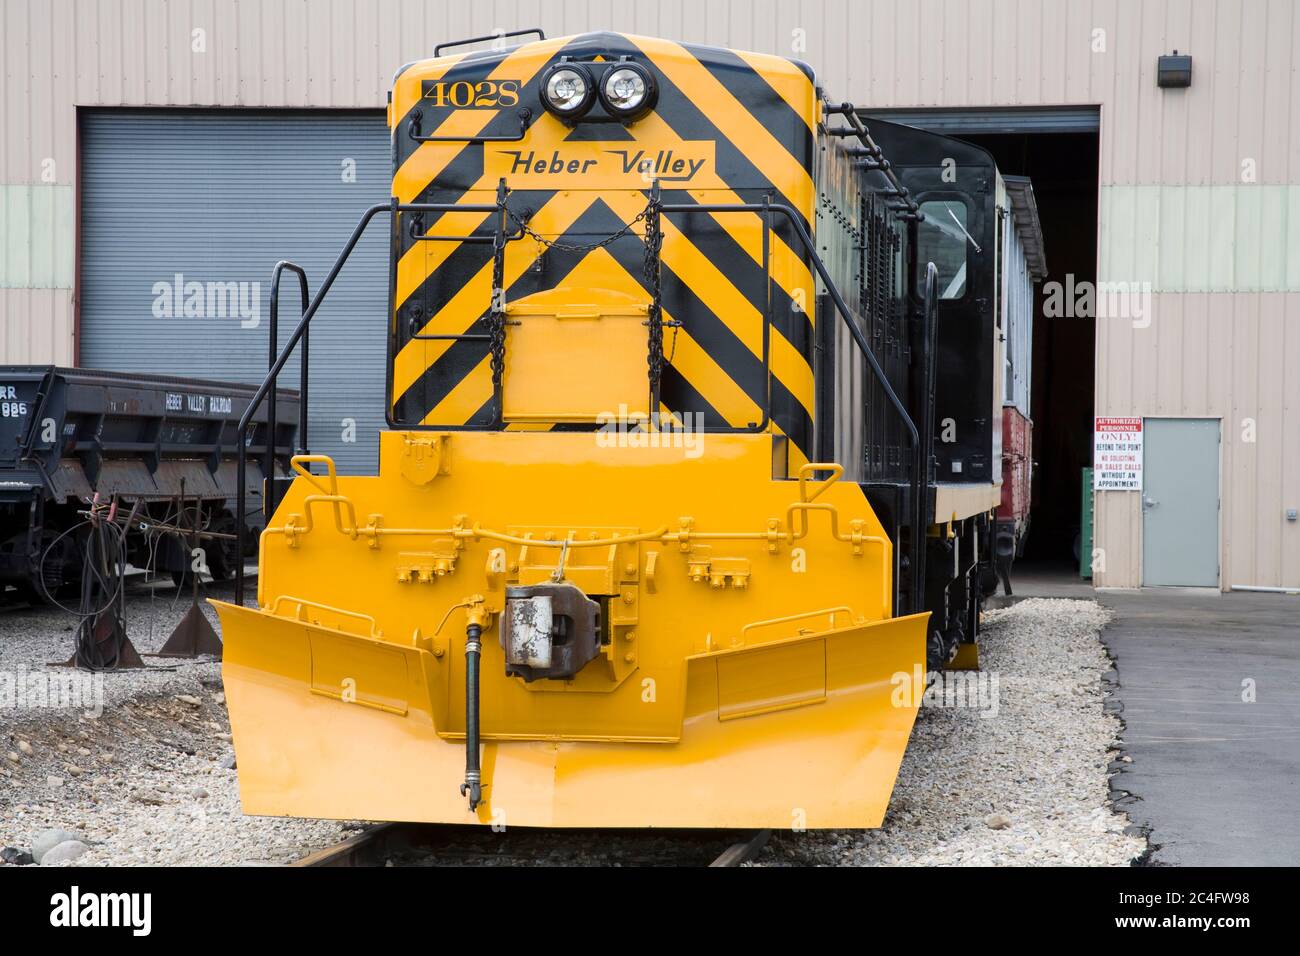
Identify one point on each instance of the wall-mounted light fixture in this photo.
(1174, 70)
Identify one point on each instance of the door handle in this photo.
(1149, 502)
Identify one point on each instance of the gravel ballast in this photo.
(140, 771)
(1025, 784)
(150, 780)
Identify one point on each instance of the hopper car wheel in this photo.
(222, 557)
(32, 594)
(935, 651)
(182, 578)
(219, 553)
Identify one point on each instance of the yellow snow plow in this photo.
(628, 636)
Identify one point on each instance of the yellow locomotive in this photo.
(649, 538)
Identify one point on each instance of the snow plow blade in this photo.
(332, 720)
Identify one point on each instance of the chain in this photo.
(654, 239)
(541, 240)
(650, 215)
(497, 315)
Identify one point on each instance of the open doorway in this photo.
(1058, 150)
(1063, 168)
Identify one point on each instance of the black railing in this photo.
(930, 333)
(918, 481)
(267, 388)
(494, 37)
(919, 476)
(905, 207)
(273, 335)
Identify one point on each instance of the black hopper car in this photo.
(161, 447)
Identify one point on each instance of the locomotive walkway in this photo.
(1209, 689)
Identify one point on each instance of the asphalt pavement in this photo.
(1208, 686)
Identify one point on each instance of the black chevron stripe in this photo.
(433, 294)
(718, 245)
(456, 178)
(701, 230)
(437, 381)
(713, 335)
(472, 71)
(674, 107)
(712, 332)
(485, 417)
(685, 119)
(757, 95)
(679, 394)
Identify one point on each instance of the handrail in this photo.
(914, 437)
(930, 313)
(268, 385)
(859, 130)
(791, 618)
(273, 334)
(766, 208)
(299, 334)
(840, 306)
(524, 116)
(499, 35)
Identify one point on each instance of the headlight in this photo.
(567, 91)
(627, 91)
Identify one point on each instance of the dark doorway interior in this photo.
(1064, 169)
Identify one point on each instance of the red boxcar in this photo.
(1017, 478)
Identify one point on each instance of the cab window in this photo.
(942, 237)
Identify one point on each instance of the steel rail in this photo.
(367, 848)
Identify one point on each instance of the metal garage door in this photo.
(183, 216)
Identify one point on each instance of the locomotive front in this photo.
(597, 580)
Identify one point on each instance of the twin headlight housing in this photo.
(626, 90)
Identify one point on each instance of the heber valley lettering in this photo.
(664, 164)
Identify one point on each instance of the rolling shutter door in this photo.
(184, 214)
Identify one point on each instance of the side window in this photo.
(941, 238)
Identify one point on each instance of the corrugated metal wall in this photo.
(1234, 132)
(183, 215)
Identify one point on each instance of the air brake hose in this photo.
(473, 650)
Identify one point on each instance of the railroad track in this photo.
(415, 845)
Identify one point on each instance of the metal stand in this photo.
(194, 635)
(109, 632)
(112, 647)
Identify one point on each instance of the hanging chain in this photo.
(654, 238)
(650, 215)
(527, 230)
(497, 315)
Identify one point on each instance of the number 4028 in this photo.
(462, 94)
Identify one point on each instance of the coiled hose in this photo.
(101, 627)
